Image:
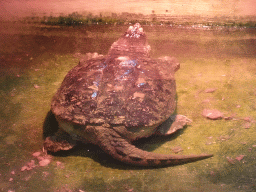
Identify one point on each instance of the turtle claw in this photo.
(61, 141)
(173, 124)
(54, 145)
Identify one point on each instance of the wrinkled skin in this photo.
(113, 100)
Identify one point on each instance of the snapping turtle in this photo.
(113, 100)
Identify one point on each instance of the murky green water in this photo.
(34, 61)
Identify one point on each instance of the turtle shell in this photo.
(126, 87)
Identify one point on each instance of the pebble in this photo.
(240, 157)
(212, 114)
(36, 154)
(44, 162)
(30, 165)
(24, 168)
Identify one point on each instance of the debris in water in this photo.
(45, 174)
(30, 165)
(24, 168)
(247, 125)
(213, 114)
(240, 157)
(60, 164)
(36, 154)
(177, 149)
(224, 138)
(209, 142)
(248, 119)
(210, 90)
(36, 86)
(230, 160)
(40, 158)
(230, 117)
(44, 162)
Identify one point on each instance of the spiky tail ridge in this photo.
(120, 149)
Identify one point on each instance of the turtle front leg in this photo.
(172, 125)
(59, 141)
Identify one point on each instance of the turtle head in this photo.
(132, 43)
(135, 31)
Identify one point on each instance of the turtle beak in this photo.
(135, 31)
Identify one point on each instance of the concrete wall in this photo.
(10, 9)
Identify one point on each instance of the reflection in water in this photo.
(24, 42)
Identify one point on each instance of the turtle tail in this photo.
(120, 149)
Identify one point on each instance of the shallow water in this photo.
(34, 60)
(26, 41)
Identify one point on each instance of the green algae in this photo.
(90, 174)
